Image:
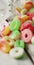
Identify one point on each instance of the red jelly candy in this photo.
(31, 15)
(25, 25)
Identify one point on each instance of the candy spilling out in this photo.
(18, 32)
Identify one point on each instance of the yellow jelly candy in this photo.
(11, 44)
(6, 31)
(23, 11)
(6, 38)
(6, 48)
(18, 9)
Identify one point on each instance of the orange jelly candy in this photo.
(28, 5)
(2, 43)
(6, 48)
(25, 17)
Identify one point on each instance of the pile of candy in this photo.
(18, 32)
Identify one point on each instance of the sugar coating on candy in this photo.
(19, 43)
(32, 40)
(26, 35)
(15, 24)
(17, 52)
(15, 35)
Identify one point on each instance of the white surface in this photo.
(4, 13)
(5, 59)
(31, 50)
(3, 5)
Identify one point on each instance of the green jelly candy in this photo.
(22, 44)
(15, 35)
(19, 43)
(15, 24)
(31, 10)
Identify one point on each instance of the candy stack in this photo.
(30, 13)
(19, 32)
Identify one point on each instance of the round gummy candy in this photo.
(15, 24)
(15, 35)
(6, 31)
(19, 43)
